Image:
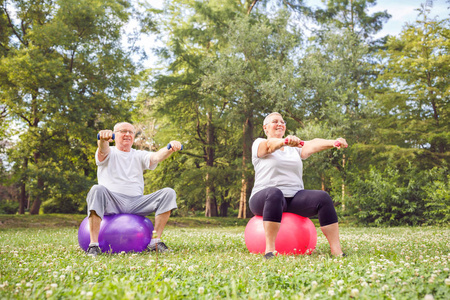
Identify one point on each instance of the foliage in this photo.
(8, 206)
(219, 79)
(224, 65)
(208, 263)
(63, 76)
(411, 197)
(437, 200)
(351, 14)
(414, 87)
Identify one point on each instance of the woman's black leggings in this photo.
(270, 203)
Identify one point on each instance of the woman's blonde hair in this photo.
(266, 120)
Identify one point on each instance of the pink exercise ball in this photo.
(121, 232)
(297, 235)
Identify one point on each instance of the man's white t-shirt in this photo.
(281, 169)
(123, 172)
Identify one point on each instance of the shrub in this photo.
(437, 201)
(9, 207)
(386, 198)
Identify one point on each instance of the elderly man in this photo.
(120, 186)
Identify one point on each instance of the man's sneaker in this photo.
(93, 251)
(269, 255)
(162, 248)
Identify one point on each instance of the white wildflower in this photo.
(354, 293)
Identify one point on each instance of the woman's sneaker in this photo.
(93, 251)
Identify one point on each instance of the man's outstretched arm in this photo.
(164, 153)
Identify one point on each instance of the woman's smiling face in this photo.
(275, 127)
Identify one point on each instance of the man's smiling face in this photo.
(124, 136)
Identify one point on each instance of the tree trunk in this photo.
(243, 200)
(343, 183)
(251, 6)
(23, 191)
(322, 179)
(246, 182)
(40, 186)
(211, 204)
(224, 209)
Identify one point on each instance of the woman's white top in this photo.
(281, 169)
(123, 172)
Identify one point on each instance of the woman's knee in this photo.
(274, 194)
(266, 197)
(324, 198)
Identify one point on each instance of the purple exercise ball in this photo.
(122, 232)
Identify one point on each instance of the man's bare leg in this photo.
(94, 226)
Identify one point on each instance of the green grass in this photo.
(67, 220)
(213, 263)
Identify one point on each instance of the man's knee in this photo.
(98, 189)
(169, 193)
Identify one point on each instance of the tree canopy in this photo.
(223, 66)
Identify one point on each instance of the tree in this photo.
(414, 104)
(226, 70)
(63, 75)
(352, 15)
(256, 68)
(185, 108)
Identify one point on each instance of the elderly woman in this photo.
(279, 185)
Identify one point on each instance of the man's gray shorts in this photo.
(105, 202)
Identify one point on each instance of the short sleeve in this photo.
(255, 158)
(146, 158)
(105, 161)
(299, 150)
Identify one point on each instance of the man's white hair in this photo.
(121, 123)
(267, 119)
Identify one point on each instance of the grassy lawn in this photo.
(40, 258)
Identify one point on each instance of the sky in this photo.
(401, 11)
